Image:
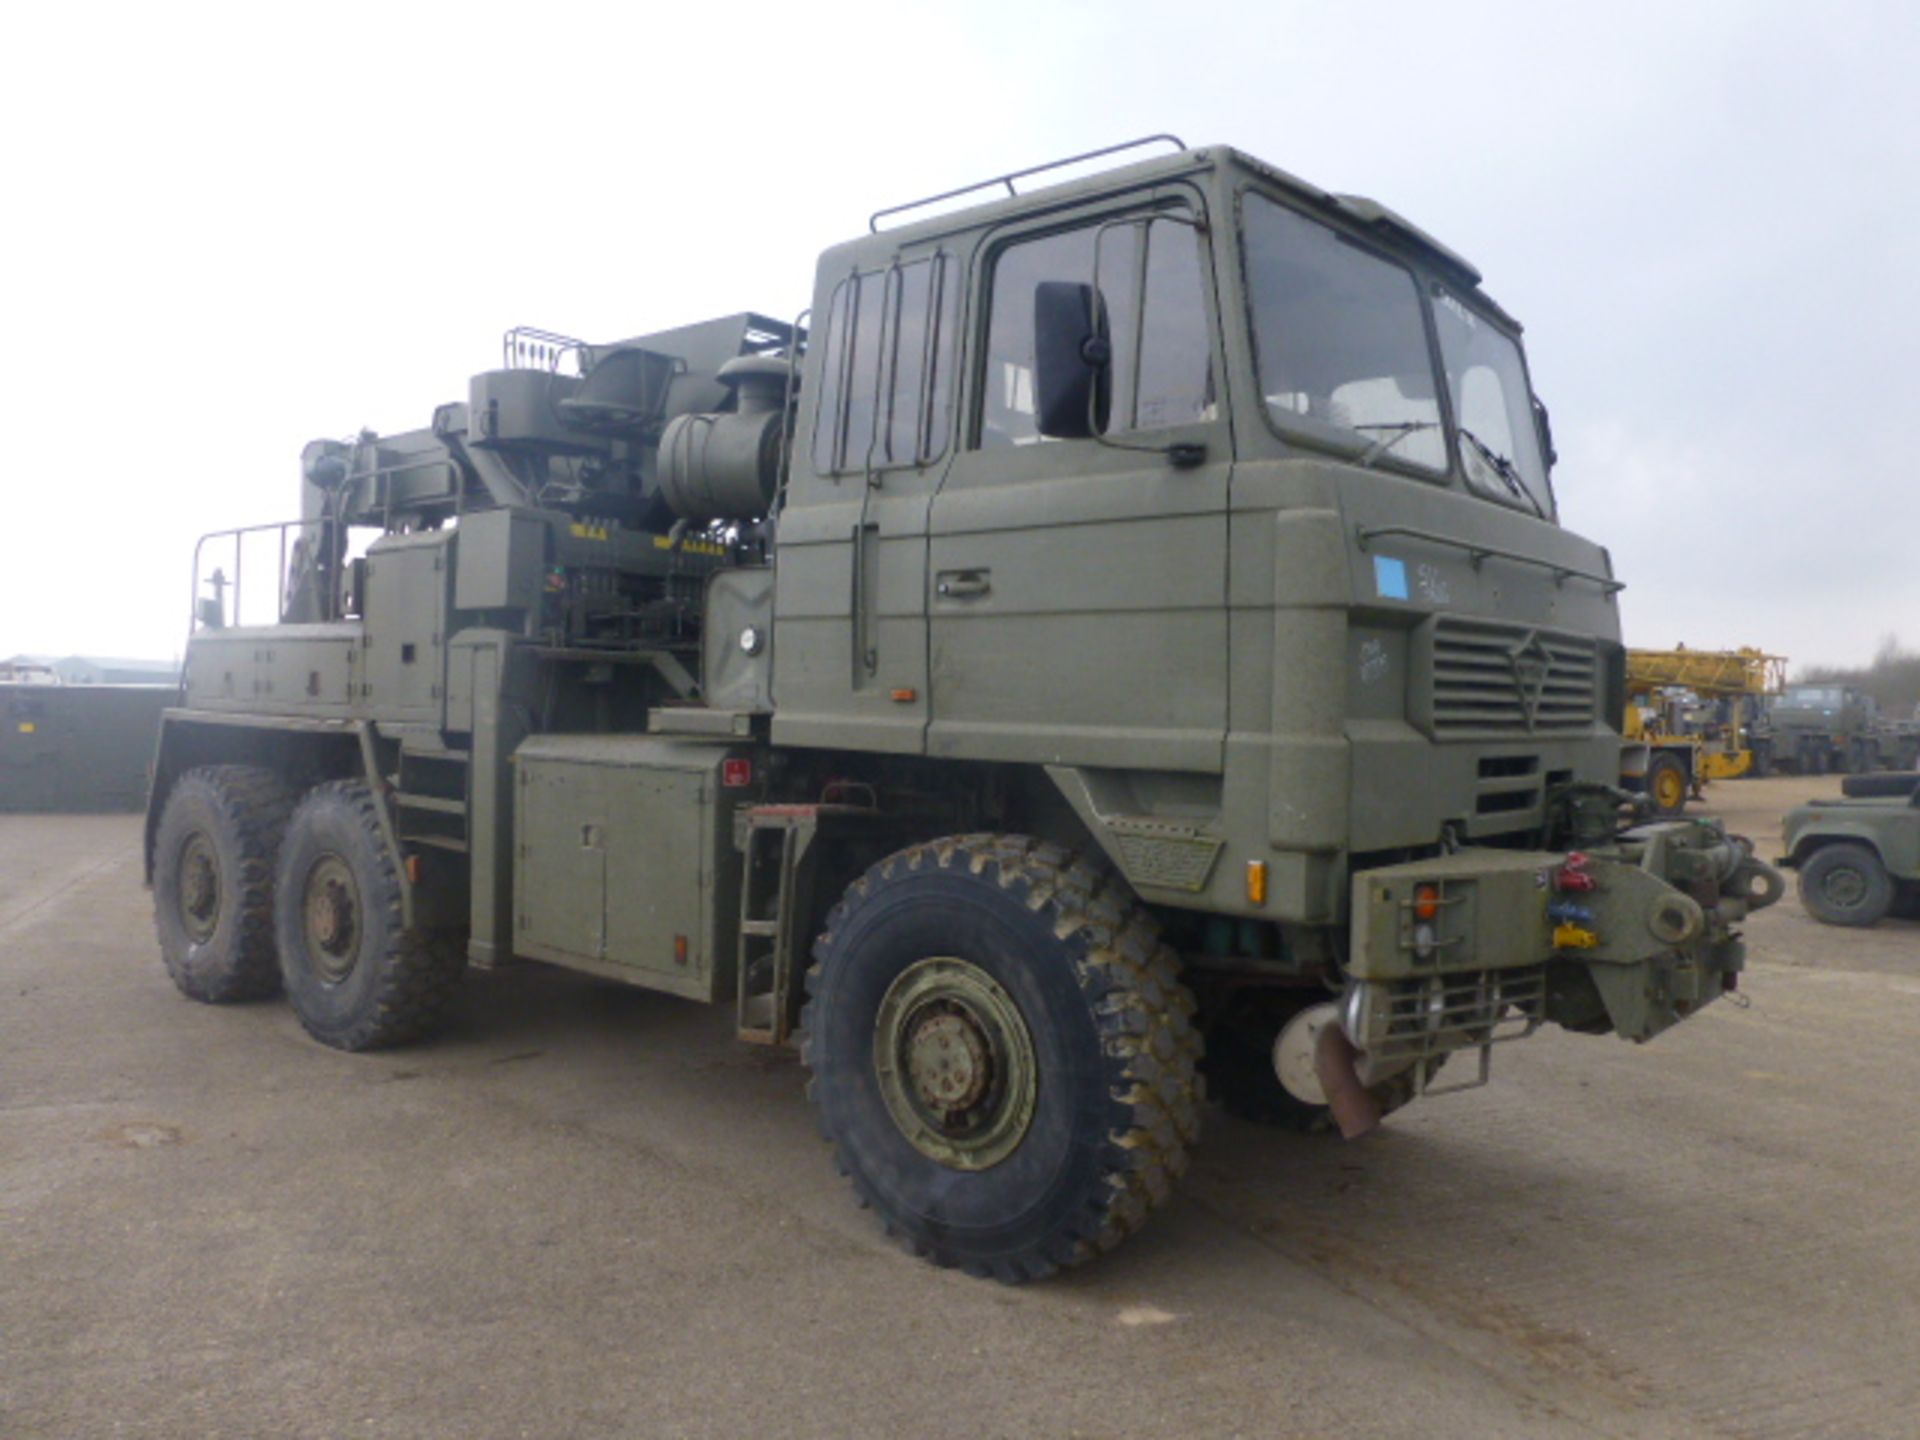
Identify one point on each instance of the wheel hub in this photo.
(1844, 887)
(949, 1061)
(955, 1064)
(333, 918)
(199, 888)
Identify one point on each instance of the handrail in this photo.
(1476, 553)
(235, 534)
(873, 221)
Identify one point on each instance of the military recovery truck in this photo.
(1130, 625)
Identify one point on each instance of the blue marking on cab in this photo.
(1390, 577)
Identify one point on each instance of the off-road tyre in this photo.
(1880, 784)
(1114, 1052)
(1845, 884)
(1667, 786)
(387, 985)
(1239, 1066)
(214, 856)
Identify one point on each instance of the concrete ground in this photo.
(586, 1211)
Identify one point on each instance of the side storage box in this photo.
(624, 861)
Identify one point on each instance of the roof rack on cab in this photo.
(873, 221)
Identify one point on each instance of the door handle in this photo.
(962, 584)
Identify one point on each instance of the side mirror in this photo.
(1072, 359)
(1544, 423)
(210, 613)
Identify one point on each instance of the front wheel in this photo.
(1003, 1055)
(1845, 884)
(357, 977)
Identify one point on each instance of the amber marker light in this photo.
(1256, 882)
(1426, 902)
(905, 696)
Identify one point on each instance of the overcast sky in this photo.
(233, 230)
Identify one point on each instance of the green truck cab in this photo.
(1126, 637)
(1858, 857)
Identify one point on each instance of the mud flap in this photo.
(1335, 1064)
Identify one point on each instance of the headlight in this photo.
(1423, 938)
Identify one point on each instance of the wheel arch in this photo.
(1808, 843)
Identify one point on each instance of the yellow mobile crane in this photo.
(1689, 713)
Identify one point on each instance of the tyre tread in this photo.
(1142, 1008)
(419, 970)
(255, 801)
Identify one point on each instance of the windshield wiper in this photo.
(1398, 430)
(1504, 468)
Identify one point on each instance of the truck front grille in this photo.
(1488, 678)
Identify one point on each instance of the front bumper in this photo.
(1467, 949)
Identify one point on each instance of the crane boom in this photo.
(1707, 672)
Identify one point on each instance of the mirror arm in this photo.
(1181, 454)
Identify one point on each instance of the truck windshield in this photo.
(1492, 405)
(1339, 340)
(1341, 345)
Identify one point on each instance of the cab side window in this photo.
(1152, 305)
(887, 378)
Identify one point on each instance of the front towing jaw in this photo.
(1463, 950)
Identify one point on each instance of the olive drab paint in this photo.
(1184, 513)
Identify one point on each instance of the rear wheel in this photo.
(355, 975)
(213, 869)
(1667, 784)
(1003, 1055)
(1845, 884)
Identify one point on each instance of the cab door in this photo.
(1077, 586)
(850, 608)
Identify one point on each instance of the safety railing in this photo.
(993, 182)
(301, 587)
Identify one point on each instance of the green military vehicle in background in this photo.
(1825, 727)
(1859, 856)
(1128, 633)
